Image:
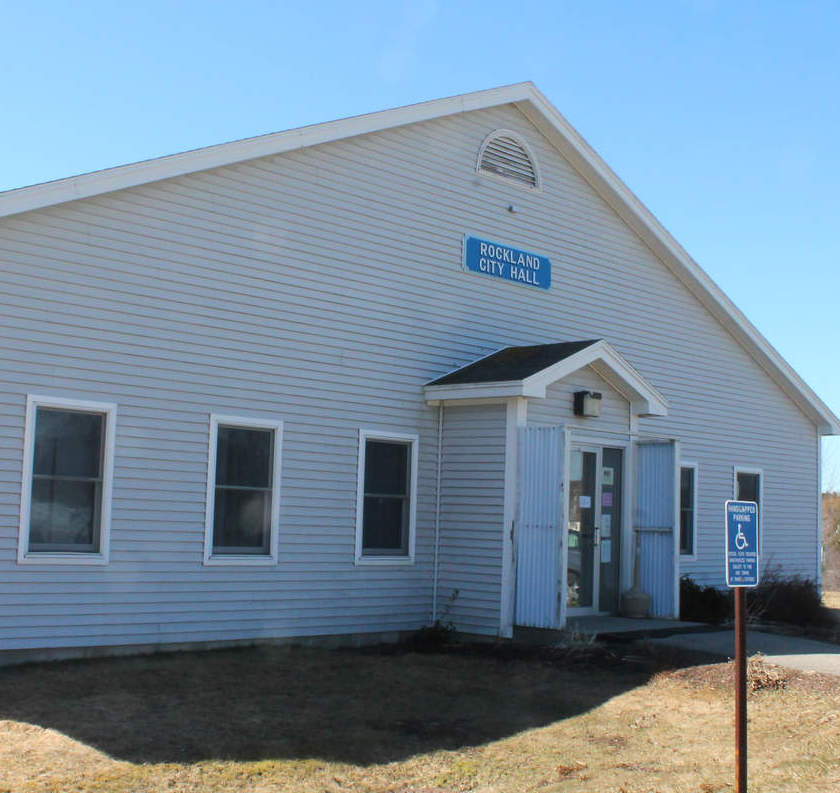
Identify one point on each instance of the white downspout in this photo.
(437, 511)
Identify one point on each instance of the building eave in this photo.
(533, 104)
(96, 183)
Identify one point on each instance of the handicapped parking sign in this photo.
(741, 543)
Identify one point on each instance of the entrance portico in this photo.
(574, 488)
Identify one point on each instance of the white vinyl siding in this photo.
(472, 517)
(325, 286)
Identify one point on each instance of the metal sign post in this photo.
(741, 572)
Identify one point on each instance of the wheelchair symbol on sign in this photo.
(741, 540)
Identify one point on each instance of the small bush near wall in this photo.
(793, 599)
(779, 599)
(703, 604)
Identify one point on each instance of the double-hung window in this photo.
(67, 474)
(386, 498)
(688, 509)
(242, 491)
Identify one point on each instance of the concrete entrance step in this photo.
(608, 628)
(626, 629)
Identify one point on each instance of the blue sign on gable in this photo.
(509, 264)
(741, 543)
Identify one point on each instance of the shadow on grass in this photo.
(275, 703)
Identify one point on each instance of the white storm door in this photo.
(541, 454)
(657, 524)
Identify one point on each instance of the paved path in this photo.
(791, 651)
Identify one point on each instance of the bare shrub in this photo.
(762, 676)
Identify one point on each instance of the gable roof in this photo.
(513, 363)
(545, 117)
(528, 371)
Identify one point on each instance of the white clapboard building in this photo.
(432, 363)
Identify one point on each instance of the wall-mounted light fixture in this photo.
(587, 403)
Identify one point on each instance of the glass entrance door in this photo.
(583, 501)
(594, 531)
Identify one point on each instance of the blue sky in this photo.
(722, 117)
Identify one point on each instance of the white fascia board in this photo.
(647, 401)
(87, 185)
(496, 391)
(537, 383)
(625, 203)
(613, 368)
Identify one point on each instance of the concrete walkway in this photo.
(794, 652)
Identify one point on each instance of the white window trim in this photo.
(242, 559)
(509, 133)
(377, 435)
(692, 557)
(746, 469)
(109, 410)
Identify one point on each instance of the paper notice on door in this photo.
(606, 526)
(585, 502)
(606, 551)
(608, 475)
(606, 499)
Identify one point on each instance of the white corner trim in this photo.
(675, 555)
(109, 410)
(398, 559)
(819, 573)
(243, 560)
(516, 417)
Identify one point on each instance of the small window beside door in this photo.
(748, 487)
(688, 509)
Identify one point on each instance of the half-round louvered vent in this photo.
(503, 155)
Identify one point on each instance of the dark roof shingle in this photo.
(513, 363)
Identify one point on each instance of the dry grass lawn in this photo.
(831, 599)
(301, 720)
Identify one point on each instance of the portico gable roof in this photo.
(528, 371)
